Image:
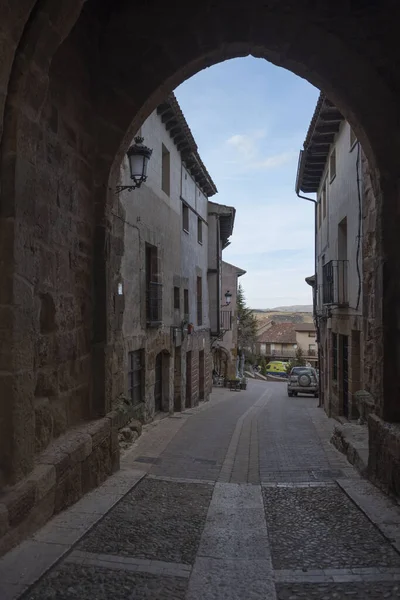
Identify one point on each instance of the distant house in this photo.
(278, 341)
(224, 348)
(307, 341)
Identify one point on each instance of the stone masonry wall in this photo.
(372, 307)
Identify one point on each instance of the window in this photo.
(353, 139)
(165, 170)
(324, 201)
(199, 230)
(311, 334)
(319, 211)
(185, 217)
(177, 299)
(153, 286)
(135, 376)
(334, 356)
(199, 301)
(186, 303)
(332, 165)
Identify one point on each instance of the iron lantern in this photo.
(138, 157)
(228, 297)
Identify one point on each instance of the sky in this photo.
(249, 119)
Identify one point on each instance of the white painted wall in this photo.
(342, 202)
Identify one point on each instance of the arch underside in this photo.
(80, 79)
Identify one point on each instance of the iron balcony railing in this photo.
(226, 320)
(284, 353)
(154, 303)
(334, 283)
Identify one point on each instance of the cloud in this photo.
(245, 153)
(246, 144)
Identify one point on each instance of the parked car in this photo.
(302, 380)
(277, 368)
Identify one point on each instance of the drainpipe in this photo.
(316, 278)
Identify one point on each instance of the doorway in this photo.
(188, 401)
(158, 385)
(201, 375)
(177, 380)
(344, 351)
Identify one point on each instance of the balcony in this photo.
(154, 304)
(284, 353)
(226, 320)
(334, 283)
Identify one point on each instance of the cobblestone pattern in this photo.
(319, 527)
(338, 591)
(158, 520)
(288, 439)
(72, 582)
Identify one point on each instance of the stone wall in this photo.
(372, 366)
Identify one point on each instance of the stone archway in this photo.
(77, 81)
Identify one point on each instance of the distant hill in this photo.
(302, 308)
(286, 314)
(299, 308)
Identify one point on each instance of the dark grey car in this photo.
(302, 380)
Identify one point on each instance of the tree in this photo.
(297, 361)
(247, 327)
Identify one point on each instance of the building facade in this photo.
(225, 347)
(306, 339)
(163, 295)
(330, 167)
(278, 342)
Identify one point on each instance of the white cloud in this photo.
(273, 162)
(262, 241)
(244, 151)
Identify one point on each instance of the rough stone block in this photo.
(99, 430)
(82, 447)
(136, 426)
(69, 488)
(59, 413)
(44, 478)
(55, 455)
(78, 408)
(115, 461)
(19, 502)
(43, 424)
(40, 514)
(46, 383)
(3, 519)
(97, 467)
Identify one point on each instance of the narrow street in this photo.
(241, 498)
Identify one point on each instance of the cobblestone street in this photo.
(241, 498)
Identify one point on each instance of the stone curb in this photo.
(367, 498)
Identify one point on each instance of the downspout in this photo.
(315, 269)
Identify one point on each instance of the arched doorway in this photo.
(158, 385)
(70, 109)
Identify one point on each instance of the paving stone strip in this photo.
(238, 465)
(234, 559)
(181, 479)
(365, 574)
(126, 563)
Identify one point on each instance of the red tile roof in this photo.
(280, 333)
(305, 327)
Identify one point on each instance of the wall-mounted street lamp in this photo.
(138, 156)
(228, 298)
